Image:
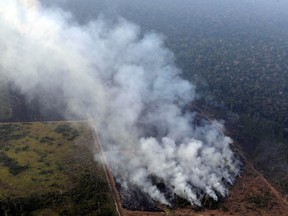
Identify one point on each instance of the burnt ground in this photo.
(134, 200)
(269, 155)
(251, 195)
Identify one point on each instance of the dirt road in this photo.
(107, 170)
(276, 193)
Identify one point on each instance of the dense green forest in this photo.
(247, 78)
(234, 52)
(236, 57)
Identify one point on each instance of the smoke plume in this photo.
(130, 86)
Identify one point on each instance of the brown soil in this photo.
(251, 195)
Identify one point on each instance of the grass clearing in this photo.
(46, 169)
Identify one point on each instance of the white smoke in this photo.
(132, 89)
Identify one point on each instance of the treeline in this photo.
(248, 76)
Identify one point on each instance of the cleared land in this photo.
(49, 169)
(252, 195)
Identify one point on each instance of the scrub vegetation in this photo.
(41, 174)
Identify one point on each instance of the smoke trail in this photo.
(131, 87)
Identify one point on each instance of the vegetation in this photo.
(259, 201)
(67, 131)
(55, 169)
(246, 81)
(12, 165)
(235, 63)
(239, 67)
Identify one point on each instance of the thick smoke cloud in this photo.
(130, 86)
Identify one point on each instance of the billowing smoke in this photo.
(130, 86)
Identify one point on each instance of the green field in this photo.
(48, 169)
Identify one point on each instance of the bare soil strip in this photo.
(252, 183)
(107, 170)
(276, 193)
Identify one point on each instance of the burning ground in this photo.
(48, 168)
(130, 86)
